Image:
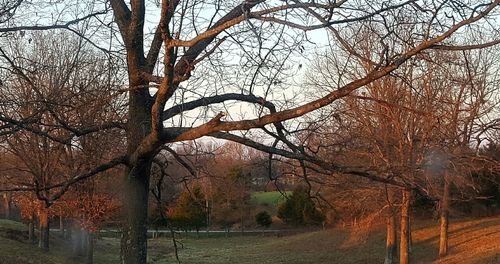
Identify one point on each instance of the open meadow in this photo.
(471, 241)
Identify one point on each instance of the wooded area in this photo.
(173, 115)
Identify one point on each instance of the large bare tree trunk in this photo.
(134, 236)
(404, 244)
(391, 247)
(43, 241)
(443, 236)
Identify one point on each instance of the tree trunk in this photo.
(7, 205)
(391, 247)
(89, 256)
(443, 236)
(404, 244)
(61, 226)
(31, 231)
(134, 236)
(43, 242)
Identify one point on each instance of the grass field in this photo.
(269, 198)
(471, 241)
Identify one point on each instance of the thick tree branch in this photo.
(376, 74)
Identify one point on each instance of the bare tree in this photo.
(187, 48)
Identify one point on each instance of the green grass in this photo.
(269, 198)
(472, 241)
(13, 225)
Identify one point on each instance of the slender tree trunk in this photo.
(89, 255)
(391, 247)
(31, 231)
(404, 243)
(43, 242)
(61, 226)
(7, 205)
(134, 236)
(443, 237)
(410, 241)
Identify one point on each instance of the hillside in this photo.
(471, 241)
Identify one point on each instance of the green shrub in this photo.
(300, 209)
(263, 219)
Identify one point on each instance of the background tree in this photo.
(263, 219)
(300, 209)
(189, 211)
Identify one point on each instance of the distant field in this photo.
(471, 242)
(12, 225)
(269, 198)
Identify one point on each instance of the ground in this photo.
(471, 241)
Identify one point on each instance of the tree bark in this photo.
(43, 242)
(134, 236)
(404, 244)
(391, 247)
(61, 226)
(31, 231)
(7, 205)
(89, 255)
(443, 236)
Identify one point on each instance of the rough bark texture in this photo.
(43, 242)
(404, 243)
(443, 236)
(134, 237)
(391, 247)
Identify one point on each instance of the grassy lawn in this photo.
(12, 225)
(472, 241)
(269, 198)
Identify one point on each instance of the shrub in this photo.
(300, 209)
(263, 219)
(190, 211)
